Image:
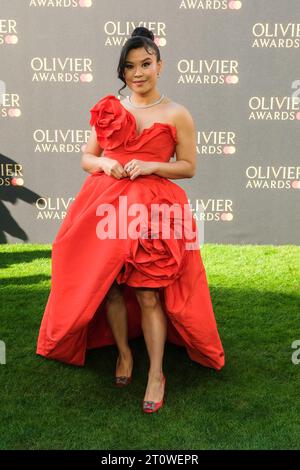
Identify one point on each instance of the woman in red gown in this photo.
(107, 287)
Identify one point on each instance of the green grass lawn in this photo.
(253, 403)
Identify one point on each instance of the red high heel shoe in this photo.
(152, 406)
(122, 380)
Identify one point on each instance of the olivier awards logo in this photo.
(208, 72)
(52, 208)
(61, 3)
(11, 174)
(60, 140)
(8, 31)
(272, 177)
(117, 32)
(62, 70)
(276, 35)
(274, 108)
(216, 143)
(9, 103)
(210, 5)
(209, 210)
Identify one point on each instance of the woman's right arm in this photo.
(93, 162)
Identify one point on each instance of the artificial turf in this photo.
(252, 403)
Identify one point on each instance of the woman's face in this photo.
(140, 66)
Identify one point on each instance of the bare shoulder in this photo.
(180, 114)
(123, 101)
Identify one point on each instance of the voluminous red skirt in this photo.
(84, 268)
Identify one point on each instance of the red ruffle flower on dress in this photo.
(156, 260)
(113, 124)
(116, 126)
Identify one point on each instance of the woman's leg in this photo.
(154, 326)
(117, 318)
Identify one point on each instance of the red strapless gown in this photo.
(84, 267)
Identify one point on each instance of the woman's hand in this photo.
(112, 167)
(135, 168)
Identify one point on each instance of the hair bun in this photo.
(142, 31)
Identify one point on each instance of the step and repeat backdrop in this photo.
(233, 64)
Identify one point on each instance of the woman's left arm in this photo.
(185, 165)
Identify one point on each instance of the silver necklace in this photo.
(147, 105)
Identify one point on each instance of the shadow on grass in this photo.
(16, 257)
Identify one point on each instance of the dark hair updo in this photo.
(140, 37)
